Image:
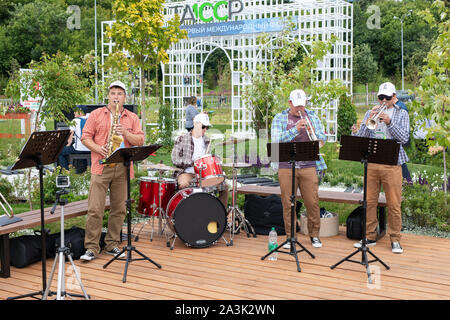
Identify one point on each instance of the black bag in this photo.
(74, 240)
(355, 225)
(266, 212)
(27, 249)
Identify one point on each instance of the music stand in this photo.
(292, 152)
(126, 155)
(367, 150)
(41, 148)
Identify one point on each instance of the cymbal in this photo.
(160, 166)
(232, 141)
(237, 165)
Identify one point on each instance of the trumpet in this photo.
(373, 121)
(310, 130)
(10, 212)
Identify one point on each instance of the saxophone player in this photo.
(112, 122)
(392, 122)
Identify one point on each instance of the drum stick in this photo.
(209, 145)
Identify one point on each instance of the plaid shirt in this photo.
(183, 150)
(280, 134)
(398, 128)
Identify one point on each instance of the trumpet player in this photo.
(102, 124)
(386, 121)
(300, 124)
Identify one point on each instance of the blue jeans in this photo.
(63, 158)
(405, 172)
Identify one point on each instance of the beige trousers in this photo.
(114, 179)
(305, 179)
(390, 177)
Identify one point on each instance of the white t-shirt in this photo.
(199, 150)
(381, 131)
(78, 145)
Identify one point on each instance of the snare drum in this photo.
(149, 188)
(211, 173)
(196, 217)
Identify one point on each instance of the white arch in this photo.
(315, 18)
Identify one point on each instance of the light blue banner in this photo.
(236, 27)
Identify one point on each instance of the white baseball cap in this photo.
(387, 89)
(203, 119)
(119, 84)
(298, 98)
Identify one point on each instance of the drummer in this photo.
(191, 146)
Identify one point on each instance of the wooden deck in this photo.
(238, 273)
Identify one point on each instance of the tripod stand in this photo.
(367, 150)
(236, 213)
(292, 152)
(126, 155)
(63, 252)
(41, 148)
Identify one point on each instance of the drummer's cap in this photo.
(298, 98)
(203, 119)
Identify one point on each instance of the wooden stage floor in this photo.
(238, 273)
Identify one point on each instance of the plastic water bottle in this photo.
(273, 244)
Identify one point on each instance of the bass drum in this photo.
(196, 217)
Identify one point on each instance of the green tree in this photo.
(434, 84)
(34, 28)
(140, 29)
(364, 67)
(57, 81)
(385, 39)
(290, 69)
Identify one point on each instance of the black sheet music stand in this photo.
(41, 148)
(367, 150)
(125, 156)
(292, 152)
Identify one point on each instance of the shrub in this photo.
(79, 185)
(425, 206)
(6, 189)
(346, 116)
(166, 125)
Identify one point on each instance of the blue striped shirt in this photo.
(398, 128)
(280, 134)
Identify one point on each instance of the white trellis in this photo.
(315, 19)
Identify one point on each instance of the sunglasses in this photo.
(205, 127)
(381, 97)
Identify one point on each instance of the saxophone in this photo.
(114, 140)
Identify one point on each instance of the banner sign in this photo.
(236, 27)
(27, 101)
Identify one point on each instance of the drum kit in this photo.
(194, 214)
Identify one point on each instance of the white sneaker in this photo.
(396, 248)
(369, 243)
(115, 251)
(88, 256)
(315, 242)
(287, 245)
